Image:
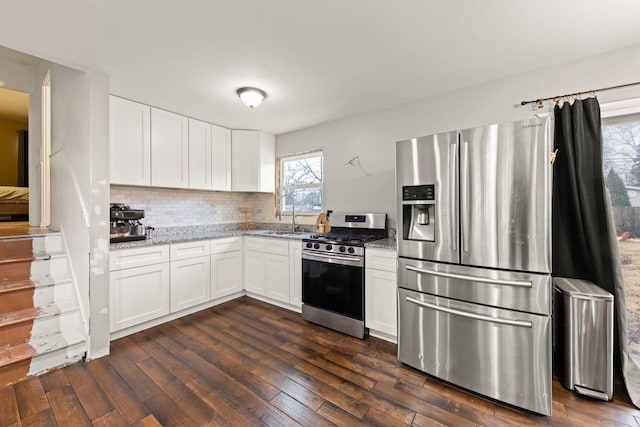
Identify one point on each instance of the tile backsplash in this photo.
(171, 207)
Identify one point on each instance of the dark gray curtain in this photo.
(584, 238)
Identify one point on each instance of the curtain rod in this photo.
(558, 97)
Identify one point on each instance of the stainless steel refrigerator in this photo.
(474, 285)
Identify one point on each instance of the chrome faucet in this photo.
(294, 226)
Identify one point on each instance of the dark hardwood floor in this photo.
(246, 363)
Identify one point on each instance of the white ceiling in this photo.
(317, 60)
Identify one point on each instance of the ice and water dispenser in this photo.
(418, 212)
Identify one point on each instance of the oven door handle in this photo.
(356, 261)
(518, 283)
(520, 323)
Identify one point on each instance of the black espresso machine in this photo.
(125, 223)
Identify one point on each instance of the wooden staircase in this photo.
(41, 326)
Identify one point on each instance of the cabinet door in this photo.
(129, 142)
(255, 267)
(505, 197)
(200, 155)
(221, 158)
(380, 301)
(226, 274)
(169, 149)
(138, 295)
(190, 282)
(245, 159)
(278, 277)
(267, 162)
(295, 269)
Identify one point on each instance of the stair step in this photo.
(16, 353)
(16, 295)
(13, 286)
(16, 259)
(35, 313)
(44, 281)
(57, 351)
(18, 316)
(15, 270)
(40, 347)
(21, 326)
(47, 242)
(59, 317)
(15, 248)
(52, 264)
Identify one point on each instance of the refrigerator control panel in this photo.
(418, 192)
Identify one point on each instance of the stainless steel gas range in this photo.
(333, 271)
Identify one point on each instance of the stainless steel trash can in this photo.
(583, 337)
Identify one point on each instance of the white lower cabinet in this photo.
(381, 308)
(190, 274)
(277, 277)
(151, 282)
(268, 270)
(190, 282)
(255, 267)
(138, 295)
(226, 267)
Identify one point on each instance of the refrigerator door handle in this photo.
(453, 179)
(518, 283)
(464, 188)
(520, 323)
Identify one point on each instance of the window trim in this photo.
(280, 186)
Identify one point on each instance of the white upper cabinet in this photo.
(200, 155)
(253, 161)
(153, 147)
(221, 158)
(129, 142)
(169, 149)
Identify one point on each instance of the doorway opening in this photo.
(14, 156)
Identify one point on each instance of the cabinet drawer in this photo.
(138, 257)
(380, 259)
(219, 246)
(513, 290)
(477, 347)
(267, 245)
(190, 250)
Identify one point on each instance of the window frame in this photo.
(281, 188)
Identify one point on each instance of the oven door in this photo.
(334, 283)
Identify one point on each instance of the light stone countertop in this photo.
(204, 234)
(387, 243)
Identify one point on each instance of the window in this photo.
(301, 183)
(621, 147)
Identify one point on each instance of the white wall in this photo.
(372, 136)
(79, 187)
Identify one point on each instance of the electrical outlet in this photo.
(234, 215)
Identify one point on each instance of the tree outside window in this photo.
(301, 180)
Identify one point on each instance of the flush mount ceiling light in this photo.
(251, 96)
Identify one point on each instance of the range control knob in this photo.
(342, 249)
(329, 247)
(316, 246)
(351, 250)
(309, 245)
